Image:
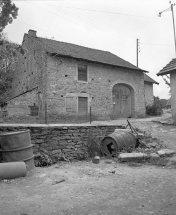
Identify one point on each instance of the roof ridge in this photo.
(75, 45)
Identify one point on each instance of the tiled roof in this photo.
(149, 79)
(84, 53)
(170, 67)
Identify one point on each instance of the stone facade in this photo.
(54, 78)
(20, 108)
(62, 80)
(70, 142)
(149, 98)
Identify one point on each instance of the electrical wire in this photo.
(95, 22)
(93, 10)
(125, 43)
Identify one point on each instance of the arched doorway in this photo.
(122, 100)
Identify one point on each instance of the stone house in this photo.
(170, 69)
(63, 81)
(148, 86)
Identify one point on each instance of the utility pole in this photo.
(173, 24)
(171, 9)
(137, 51)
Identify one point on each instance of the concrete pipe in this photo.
(12, 170)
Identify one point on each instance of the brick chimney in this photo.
(32, 33)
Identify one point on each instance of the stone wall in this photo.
(29, 74)
(149, 98)
(30, 68)
(62, 79)
(63, 141)
(18, 110)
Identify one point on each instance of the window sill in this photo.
(85, 82)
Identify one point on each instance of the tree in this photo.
(8, 12)
(167, 80)
(9, 54)
(155, 109)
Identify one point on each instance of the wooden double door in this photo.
(122, 101)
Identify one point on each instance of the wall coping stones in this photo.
(63, 126)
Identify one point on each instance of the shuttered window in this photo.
(82, 105)
(71, 104)
(82, 73)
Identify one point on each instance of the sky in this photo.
(109, 25)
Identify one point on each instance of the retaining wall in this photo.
(68, 142)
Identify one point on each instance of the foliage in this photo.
(155, 109)
(163, 102)
(94, 145)
(43, 158)
(166, 79)
(9, 54)
(8, 12)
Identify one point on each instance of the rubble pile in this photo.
(147, 144)
(147, 148)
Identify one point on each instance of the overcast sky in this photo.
(110, 25)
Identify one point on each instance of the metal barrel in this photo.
(119, 139)
(16, 146)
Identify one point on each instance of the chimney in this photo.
(32, 33)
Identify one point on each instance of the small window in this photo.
(71, 104)
(34, 110)
(82, 73)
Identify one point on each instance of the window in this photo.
(71, 104)
(77, 103)
(82, 73)
(34, 110)
(82, 105)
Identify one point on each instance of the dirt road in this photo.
(93, 189)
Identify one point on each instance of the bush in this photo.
(155, 109)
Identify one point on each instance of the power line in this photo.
(96, 26)
(93, 10)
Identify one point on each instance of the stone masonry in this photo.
(54, 77)
(63, 141)
(61, 73)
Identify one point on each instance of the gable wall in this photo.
(148, 93)
(29, 75)
(99, 86)
(30, 66)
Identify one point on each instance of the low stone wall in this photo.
(68, 142)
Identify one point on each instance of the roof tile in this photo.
(84, 53)
(170, 67)
(149, 79)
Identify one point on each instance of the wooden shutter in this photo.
(71, 104)
(82, 105)
(82, 73)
